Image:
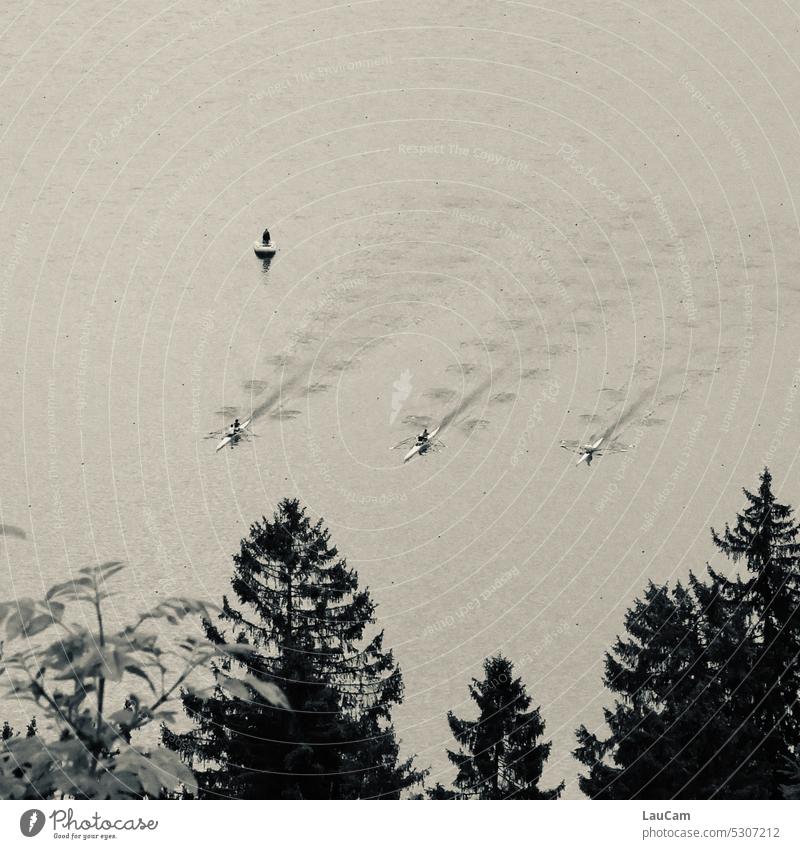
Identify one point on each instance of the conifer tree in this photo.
(708, 677)
(500, 755)
(300, 625)
(440, 792)
(765, 538)
(791, 789)
(681, 729)
(725, 731)
(664, 727)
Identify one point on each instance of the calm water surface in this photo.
(523, 221)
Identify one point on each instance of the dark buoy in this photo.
(264, 249)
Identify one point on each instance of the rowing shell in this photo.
(592, 449)
(421, 445)
(231, 437)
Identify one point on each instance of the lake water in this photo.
(530, 223)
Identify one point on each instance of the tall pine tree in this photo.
(672, 712)
(765, 538)
(708, 677)
(501, 756)
(300, 626)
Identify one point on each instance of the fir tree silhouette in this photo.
(300, 625)
(708, 676)
(764, 538)
(500, 755)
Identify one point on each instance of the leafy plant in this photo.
(73, 671)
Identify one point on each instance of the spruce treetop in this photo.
(500, 755)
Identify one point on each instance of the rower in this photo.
(265, 237)
(423, 437)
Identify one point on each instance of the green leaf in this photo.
(68, 588)
(150, 778)
(108, 787)
(121, 784)
(56, 608)
(14, 626)
(238, 689)
(269, 692)
(38, 624)
(145, 643)
(175, 769)
(111, 665)
(122, 717)
(5, 609)
(26, 606)
(140, 673)
(233, 649)
(11, 788)
(187, 778)
(165, 760)
(122, 653)
(165, 715)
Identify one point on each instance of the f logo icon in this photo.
(31, 822)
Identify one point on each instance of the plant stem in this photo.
(101, 683)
